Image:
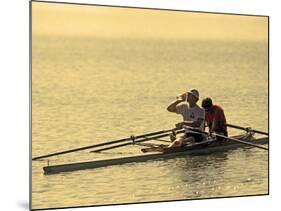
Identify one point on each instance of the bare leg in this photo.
(181, 141)
(176, 143)
(189, 140)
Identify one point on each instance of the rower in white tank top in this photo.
(193, 116)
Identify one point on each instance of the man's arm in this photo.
(219, 120)
(173, 105)
(214, 126)
(196, 123)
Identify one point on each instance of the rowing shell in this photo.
(204, 148)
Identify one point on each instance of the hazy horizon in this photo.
(54, 19)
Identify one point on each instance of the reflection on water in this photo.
(87, 91)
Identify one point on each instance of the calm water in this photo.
(89, 90)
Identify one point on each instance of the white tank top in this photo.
(191, 113)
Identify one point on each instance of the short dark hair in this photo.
(207, 103)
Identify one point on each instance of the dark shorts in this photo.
(196, 136)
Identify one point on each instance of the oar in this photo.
(247, 129)
(240, 141)
(148, 145)
(162, 140)
(103, 144)
(226, 137)
(135, 141)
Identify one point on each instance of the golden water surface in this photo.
(90, 89)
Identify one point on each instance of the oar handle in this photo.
(247, 129)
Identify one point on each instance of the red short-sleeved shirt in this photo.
(216, 114)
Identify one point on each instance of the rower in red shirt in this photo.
(214, 117)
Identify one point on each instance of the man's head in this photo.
(207, 104)
(192, 96)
